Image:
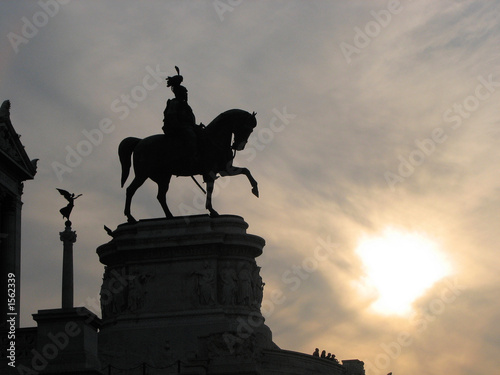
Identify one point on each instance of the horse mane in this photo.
(223, 116)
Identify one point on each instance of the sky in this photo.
(377, 121)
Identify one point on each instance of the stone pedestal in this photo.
(66, 342)
(181, 293)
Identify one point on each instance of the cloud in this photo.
(322, 175)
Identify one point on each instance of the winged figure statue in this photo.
(66, 211)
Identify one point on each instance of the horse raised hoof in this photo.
(255, 191)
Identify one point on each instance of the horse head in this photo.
(243, 130)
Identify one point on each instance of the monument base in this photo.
(183, 296)
(181, 289)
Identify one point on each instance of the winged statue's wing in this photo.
(64, 193)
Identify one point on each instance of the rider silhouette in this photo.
(179, 118)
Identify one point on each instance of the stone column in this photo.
(68, 237)
(10, 238)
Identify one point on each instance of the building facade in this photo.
(15, 168)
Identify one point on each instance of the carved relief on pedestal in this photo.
(228, 344)
(258, 287)
(122, 291)
(205, 285)
(108, 294)
(240, 284)
(137, 291)
(245, 292)
(211, 283)
(229, 285)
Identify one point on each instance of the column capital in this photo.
(68, 235)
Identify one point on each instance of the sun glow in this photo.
(399, 267)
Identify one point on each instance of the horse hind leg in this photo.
(162, 195)
(131, 189)
(210, 189)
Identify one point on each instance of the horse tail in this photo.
(125, 150)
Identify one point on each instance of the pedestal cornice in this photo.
(185, 236)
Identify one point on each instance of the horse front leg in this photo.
(210, 189)
(162, 195)
(234, 171)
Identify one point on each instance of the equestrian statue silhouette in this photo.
(161, 156)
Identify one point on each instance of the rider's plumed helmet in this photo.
(174, 80)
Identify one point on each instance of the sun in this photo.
(399, 267)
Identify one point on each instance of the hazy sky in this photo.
(371, 115)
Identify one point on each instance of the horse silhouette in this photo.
(159, 157)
